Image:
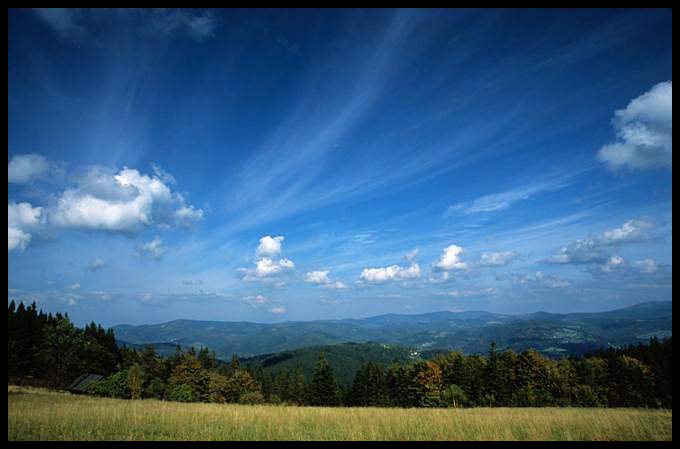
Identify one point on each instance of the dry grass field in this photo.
(36, 414)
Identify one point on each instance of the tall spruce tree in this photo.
(323, 390)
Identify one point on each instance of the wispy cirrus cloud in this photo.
(81, 24)
(504, 200)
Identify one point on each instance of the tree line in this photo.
(50, 351)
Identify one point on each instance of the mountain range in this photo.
(471, 332)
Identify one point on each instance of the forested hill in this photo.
(470, 332)
(345, 358)
(50, 351)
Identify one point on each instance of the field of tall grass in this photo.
(36, 414)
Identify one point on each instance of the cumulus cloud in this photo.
(391, 273)
(26, 168)
(450, 259)
(153, 249)
(278, 310)
(22, 220)
(497, 259)
(267, 268)
(317, 277)
(596, 249)
(321, 278)
(124, 202)
(582, 251)
(644, 131)
(630, 231)
(269, 246)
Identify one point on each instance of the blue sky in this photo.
(276, 165)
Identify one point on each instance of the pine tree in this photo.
(323, 390)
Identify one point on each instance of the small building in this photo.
(80, 385)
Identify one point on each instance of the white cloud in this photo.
(125, 202)
(163, 175)
(450, 259)
(266, 267)
(187, 215)
(26, 168)
(174, 21)
(391, 273)
(256, 299)
(583, 251)
(497, 259)
(153, 249)
(644, 131)
(96, 265)
(468, 293)
(75, 286)
(647, 265)
(439, 277)
(278, 310)
(540, 279)
(63, 21)
(269, 246)
(317, 277)
(17, 239)
(74, 23)
(337, 285)
(613, 263)
(630, 231)
(595, 249)
(412, 255)
(321, 278)
(22, 220)
(503, 200)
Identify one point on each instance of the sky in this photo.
(284, 165)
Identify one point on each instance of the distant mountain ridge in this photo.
(470, 332)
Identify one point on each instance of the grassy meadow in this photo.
(36, 414)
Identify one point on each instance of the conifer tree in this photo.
(323, 389)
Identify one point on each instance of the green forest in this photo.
(50, 351)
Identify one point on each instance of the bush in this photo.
(114, 386)
(155, 389)
(180, 393)
(251, 398)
